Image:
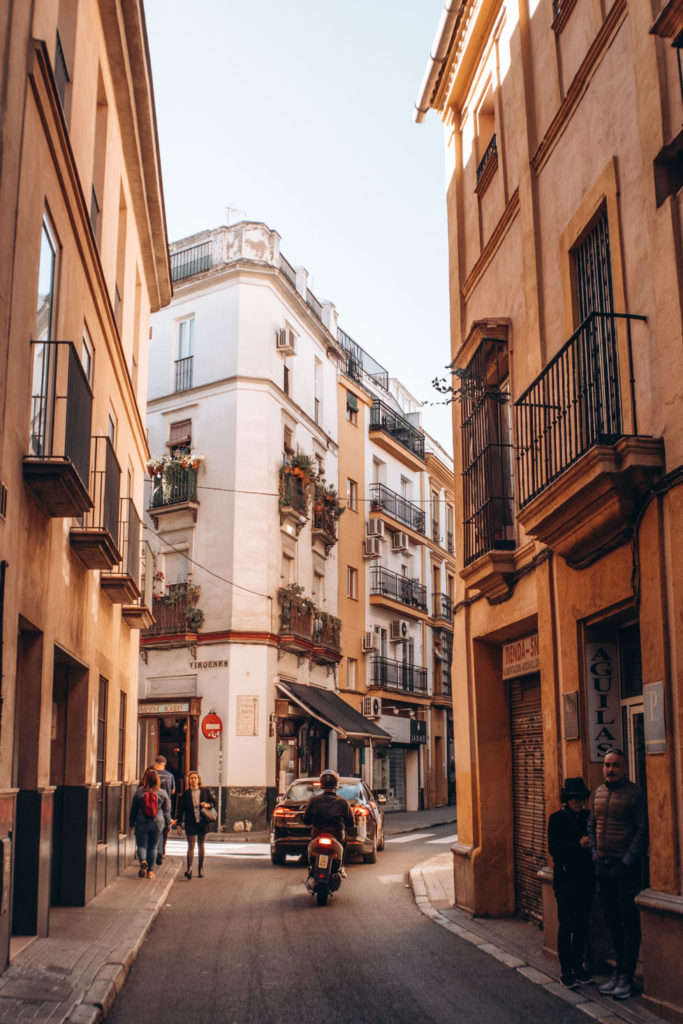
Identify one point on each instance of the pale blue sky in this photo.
(300, 114)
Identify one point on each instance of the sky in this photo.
(298, 113)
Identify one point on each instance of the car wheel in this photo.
(370, 858)
(380, 841)
(277, 856)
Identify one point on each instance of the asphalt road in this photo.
(248, 945)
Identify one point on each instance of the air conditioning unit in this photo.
(375, 527)
(398, 630)
(399, 541)
(286, 341)
(372, 547)
(372, 707)
(370, 641)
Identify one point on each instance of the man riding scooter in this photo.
(330, 814)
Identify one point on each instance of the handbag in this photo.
(209, 814)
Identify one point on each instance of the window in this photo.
(183, 366)
(352, 583)
(120, 260)
(352, 495)
(111, 428)
(436, 529)
(47, 272)
(351, 665)
(405, 487)
(287, 568)
(288, 441)
(450, 544)
(317, 391)
(486, 142)
(180, 437)
(486, 437)
(351, 408)
(87, 355)
(62, 78)
(286, 382)
(99, 158)
(100, 759)
(593, 271)
(121, 761)
(318, 595)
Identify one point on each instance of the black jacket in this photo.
(572, 862)
(185, 815)
(327, 812)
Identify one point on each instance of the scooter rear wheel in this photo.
(322, 893)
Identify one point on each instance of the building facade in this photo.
(84, 261)
(396, 581)
(563, 134)
(238, 678)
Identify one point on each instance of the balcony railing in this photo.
(361, 364)
(398, 675)
(491, 152)
(382, 417)
(183, 373)
(295, 620)
(288, 270)
(397, 507)
(327, 631)
(574, 404)
(170, 610)
(398, 588)
(190, 261)
(293, 491)
(314, 305)
(325, 522)
(442, 607)
(95, 536)
(94, 211)
(450, 546)
(175, 484)
(57, 465)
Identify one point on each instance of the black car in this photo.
(289, 835)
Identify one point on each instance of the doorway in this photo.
(528, 796)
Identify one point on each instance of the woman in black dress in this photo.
(573, 880)
(195, 799)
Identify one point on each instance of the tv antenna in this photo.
(229, 210)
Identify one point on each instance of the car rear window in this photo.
(302, 791)
(350, 792)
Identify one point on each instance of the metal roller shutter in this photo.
(396, 797)
(527, 795)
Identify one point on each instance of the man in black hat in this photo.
(573, 880)
(618, 830)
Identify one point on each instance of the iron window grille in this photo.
(486, 438)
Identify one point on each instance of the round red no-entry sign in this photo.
(212, 726)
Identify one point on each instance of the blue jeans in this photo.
(146, 841)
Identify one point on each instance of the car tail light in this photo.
(325, 841)
(361, 812)
(283, 812)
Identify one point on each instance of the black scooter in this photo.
(324, 877)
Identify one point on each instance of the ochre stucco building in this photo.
(83, 261)
(563, 135)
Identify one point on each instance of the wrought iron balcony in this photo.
(139, 615)
(122, 586)
(172, 611)
(574, 404)
(190, 261)
(57, 466)
(436, 531)
(293, 496)
(95, 537)
(398, 508)
(450, 546)
(383, 418)
(174, 485)
(183, 373)
(442, 607)
(398, 675)
(399, 588)
(326, 638)
(490, 154)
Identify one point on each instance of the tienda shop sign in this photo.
(522, 657)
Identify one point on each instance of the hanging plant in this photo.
(194, 617)
(280, 749)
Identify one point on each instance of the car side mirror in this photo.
(381, 798)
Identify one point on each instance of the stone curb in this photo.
(99, 998)
(578, 998)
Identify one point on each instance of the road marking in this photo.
(391, 879)
(412, 837)
(177, 847)
(445, 840)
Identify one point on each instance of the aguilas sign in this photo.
(603, 699)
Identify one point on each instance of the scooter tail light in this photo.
(324, 841)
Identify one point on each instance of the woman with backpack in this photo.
(192, 807)
(150, 814)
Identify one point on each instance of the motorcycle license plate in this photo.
(322, 860)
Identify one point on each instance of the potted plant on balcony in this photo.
(293, 595)
(194, 618)
(297, 474)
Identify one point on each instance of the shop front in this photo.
(170, 728)
(398, 770)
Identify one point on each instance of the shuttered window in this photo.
(528, 798)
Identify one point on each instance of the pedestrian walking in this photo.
(168, 783)
(192, 805)
(618, 831)
(150, 813)
(573, 880)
